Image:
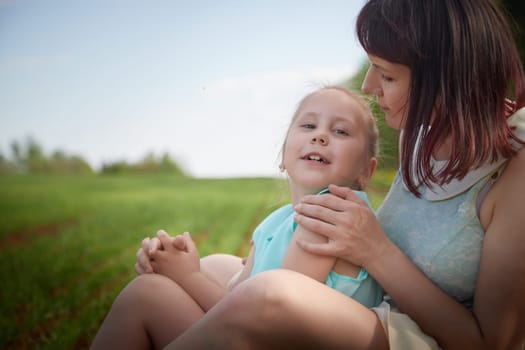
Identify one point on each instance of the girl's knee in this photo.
(142, 289)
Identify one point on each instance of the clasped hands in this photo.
(174, 257)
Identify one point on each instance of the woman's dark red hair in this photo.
(464, 64)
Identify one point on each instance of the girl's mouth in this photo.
(316, 158)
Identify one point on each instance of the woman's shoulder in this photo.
(511, 179)
(507, 194)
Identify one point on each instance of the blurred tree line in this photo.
(150, 164)
(29, 158)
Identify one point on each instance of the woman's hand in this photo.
(148, 246)
(353, 232)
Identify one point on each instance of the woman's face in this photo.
(390, 83)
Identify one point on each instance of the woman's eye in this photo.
(386, 78)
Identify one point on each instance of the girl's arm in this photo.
(312, 265)
(497, 320)
(179, 261)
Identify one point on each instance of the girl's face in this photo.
(327, 143)
(390, 83)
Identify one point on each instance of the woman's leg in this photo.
(284, 309)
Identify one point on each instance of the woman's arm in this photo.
(497, 321)
(498, 317)
(500, 292)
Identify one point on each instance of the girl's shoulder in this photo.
(277, 216)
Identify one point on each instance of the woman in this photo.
(448, 241)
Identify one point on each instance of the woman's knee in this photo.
(250, 314)
(265, 298)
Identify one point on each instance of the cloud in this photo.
(281, 80)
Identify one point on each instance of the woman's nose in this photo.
(320, 139)
(370, 86)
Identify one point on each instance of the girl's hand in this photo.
(178, 260)
(148, 246)
(353, 232)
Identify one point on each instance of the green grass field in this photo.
(68, 244)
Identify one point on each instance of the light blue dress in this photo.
(272, 238)
(440, 232)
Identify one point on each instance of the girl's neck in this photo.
(298, 192)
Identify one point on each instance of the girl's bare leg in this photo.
(152, 310)
(284, 309)
(221, 267)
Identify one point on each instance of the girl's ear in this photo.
(281, 167)
(368, 171)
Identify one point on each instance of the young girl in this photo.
(332, 139)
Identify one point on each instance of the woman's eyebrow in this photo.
(380, 67)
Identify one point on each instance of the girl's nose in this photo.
(320, 139)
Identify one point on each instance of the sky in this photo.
(212, 83)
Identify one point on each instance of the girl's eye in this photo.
(308, 126)
(341, 132)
